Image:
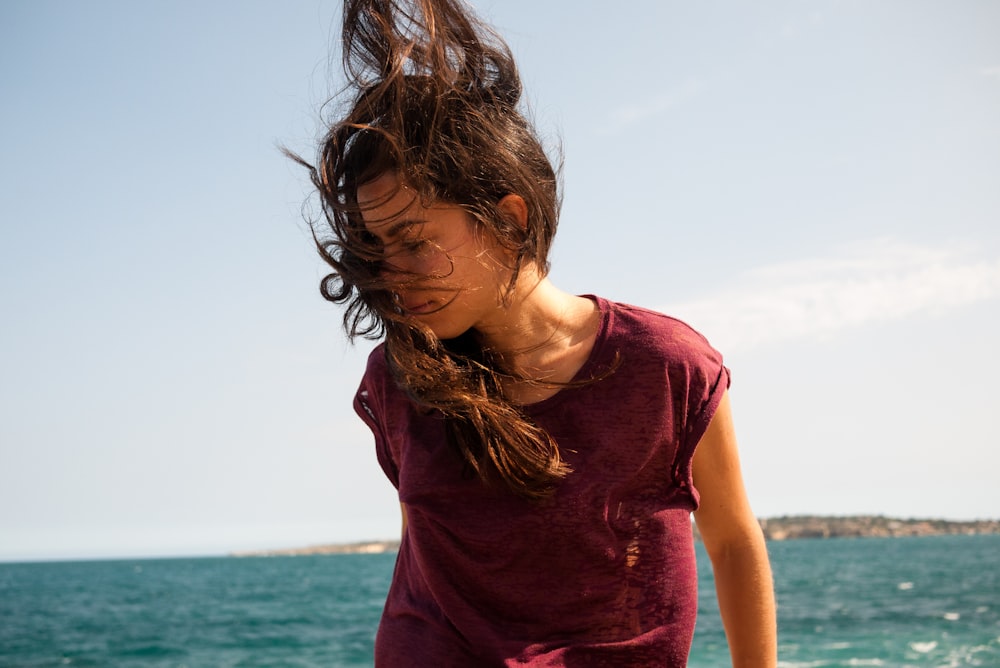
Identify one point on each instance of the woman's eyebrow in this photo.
(401, 225)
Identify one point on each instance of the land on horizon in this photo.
(786, 527)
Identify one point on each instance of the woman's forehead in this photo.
(377, 190)
(385, 203)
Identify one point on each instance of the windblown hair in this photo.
(435, 101)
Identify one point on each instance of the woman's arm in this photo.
(735, 544)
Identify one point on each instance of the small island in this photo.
(869, 526)
(789, 527)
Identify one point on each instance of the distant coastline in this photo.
(790, 527)
(869, 526)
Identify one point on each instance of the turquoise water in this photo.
(843, 602)
(877, 602)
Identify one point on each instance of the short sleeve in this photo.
(370, 403)
(704, 397)
(699, 384)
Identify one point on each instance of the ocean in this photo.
(931, 601)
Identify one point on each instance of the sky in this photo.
(813, 185)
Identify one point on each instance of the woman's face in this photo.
(452, 274)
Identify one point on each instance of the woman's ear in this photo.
(514, 209)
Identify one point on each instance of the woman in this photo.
(548, 448)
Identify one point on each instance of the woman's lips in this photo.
(418, 307)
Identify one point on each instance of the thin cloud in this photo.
(627, 115)
(992, 72)
(816, 298)
(799, 26)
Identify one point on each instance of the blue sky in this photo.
(815, 185)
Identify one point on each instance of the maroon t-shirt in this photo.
(600, 574)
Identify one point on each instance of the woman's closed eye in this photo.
(410, 254)
(414, 245)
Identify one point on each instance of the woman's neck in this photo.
(544, 335)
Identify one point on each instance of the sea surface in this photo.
(931, 601)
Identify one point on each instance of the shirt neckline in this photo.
(590, 368)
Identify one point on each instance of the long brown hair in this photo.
(435, 100)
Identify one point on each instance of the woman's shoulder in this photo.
(378, 392)
(650, 342)
(377, 379)
(653, 328)
(377, 364)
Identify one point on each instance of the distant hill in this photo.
(868, 526)
(775, 528)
